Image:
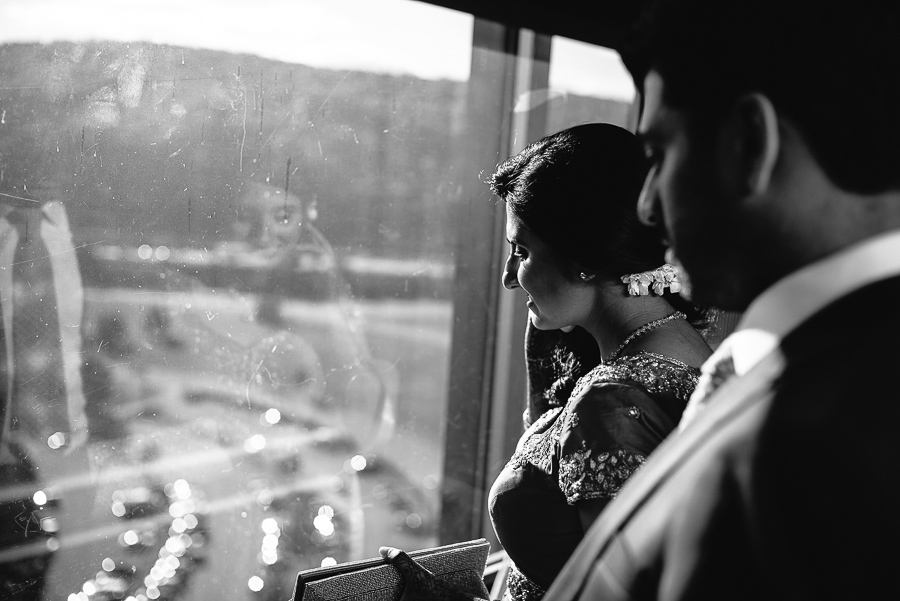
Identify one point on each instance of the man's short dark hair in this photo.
(832, 69)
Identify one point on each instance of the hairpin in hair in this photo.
(657, 280)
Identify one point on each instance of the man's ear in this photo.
(758, 140)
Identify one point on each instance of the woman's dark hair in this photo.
(577, 190)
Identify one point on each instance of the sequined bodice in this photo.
(656, 373)
(587, 449)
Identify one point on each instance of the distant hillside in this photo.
(159, 145)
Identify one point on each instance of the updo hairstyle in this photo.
(577, 190)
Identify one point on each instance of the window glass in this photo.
(226, 268)
(588, 83)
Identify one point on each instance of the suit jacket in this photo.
(787, 486)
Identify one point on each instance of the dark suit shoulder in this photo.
(826, 474)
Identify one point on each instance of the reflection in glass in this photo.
(253, 275)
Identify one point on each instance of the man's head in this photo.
(763, 118)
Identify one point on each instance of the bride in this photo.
(613, 351)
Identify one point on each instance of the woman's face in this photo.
(282, 219)
(554, 301)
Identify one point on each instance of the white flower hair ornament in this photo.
(640, 284)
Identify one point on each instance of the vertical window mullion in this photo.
(480, 224)
(487, 376)
(508, 398)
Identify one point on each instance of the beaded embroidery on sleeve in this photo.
(584, 475)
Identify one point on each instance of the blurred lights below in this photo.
(270, 526)
(163, 572)
(329, 561)
(265, 497)
(323, 521)
(358, 463)
(49, 525)
(179, 509)
(414, 520)
(269, 557)
(272, 416)
(255, 584)
(182, 489)
(269, 547)
(255, 443)
(177, 545)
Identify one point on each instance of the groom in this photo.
(774, 128)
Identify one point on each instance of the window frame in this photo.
(487, 389)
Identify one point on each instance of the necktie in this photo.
(38, 405)
(712, 375)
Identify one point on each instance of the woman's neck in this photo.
(614, 319)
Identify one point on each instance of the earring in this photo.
(585, 277)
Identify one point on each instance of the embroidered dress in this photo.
(616, 415)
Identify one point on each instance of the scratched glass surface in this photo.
(251, 277)
(248, 260)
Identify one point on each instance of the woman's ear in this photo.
(758, 141)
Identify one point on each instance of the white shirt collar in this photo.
(797, 296)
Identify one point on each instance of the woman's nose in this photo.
(510, 278)
(647, 201)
